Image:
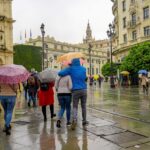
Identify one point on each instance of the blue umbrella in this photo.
(143, 72)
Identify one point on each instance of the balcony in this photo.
(133, 6)
(132, 24)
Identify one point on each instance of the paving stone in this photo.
(105, 130)
(125, 139)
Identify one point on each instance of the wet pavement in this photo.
(119, 119)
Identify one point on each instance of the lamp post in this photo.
(99, 62)
(46, 47)
(90, 49)
(51, 60)
(43, 34)
(110, 34)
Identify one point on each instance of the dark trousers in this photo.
(82, 96)
(51, 111)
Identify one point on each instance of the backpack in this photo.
(44, 86)
(31, 80)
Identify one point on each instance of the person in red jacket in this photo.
(46, 97)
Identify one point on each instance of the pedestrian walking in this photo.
(100, 80)
(46, 98)
(63, 87)
(8, 95)
(79, 89)
(144, 83)
(91, 80)
(32, 87)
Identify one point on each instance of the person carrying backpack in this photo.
(46, 98)
(32, 90)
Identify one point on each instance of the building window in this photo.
(134, 35)
(133, 19)
(55, 47)
(147, 31)
(124, 5)
(125, 38)
(132, 1)
(96, 70)
(124, 22)
(146, 12)
(92, 70)
(62, 47)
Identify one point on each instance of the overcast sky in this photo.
(66, 20)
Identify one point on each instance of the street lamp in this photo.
(99, 62)
(90, 49)
(110, 34)
(43, 34)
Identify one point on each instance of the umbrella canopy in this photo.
(142, 72)
(125, 73)
(47, 75)
(69, 56)
(13, 74)
(96, 77)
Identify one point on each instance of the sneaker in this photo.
(68, 123)
(58, 124)
(85, 123)
(54, 115)
(73, 125)
(5, 128)
(34, 104)
(8, 131)
(29, 104)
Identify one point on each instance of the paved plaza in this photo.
(119, 119)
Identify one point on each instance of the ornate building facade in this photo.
(132, 25)
(53, 49)
(6, 29)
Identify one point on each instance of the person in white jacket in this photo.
(63, 87)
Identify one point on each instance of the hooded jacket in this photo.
(77, 73)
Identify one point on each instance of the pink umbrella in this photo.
(12, 74)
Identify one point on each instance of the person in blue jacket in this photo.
(79, 88)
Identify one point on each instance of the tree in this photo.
(138, 58)
(107, 70)
(28, 56)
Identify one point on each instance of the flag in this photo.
(30, 33)
(25, 35)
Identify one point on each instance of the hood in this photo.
(75, 62)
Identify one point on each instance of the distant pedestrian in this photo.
(144, 83)
(100, 80)
(79, 89)
(32, 87)
(46, 98)
(91, 80)
(8, 95)
(63, 87)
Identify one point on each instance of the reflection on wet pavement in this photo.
(108, 129)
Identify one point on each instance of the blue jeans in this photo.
(65, 103)
(32, 96)
(8, 103)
